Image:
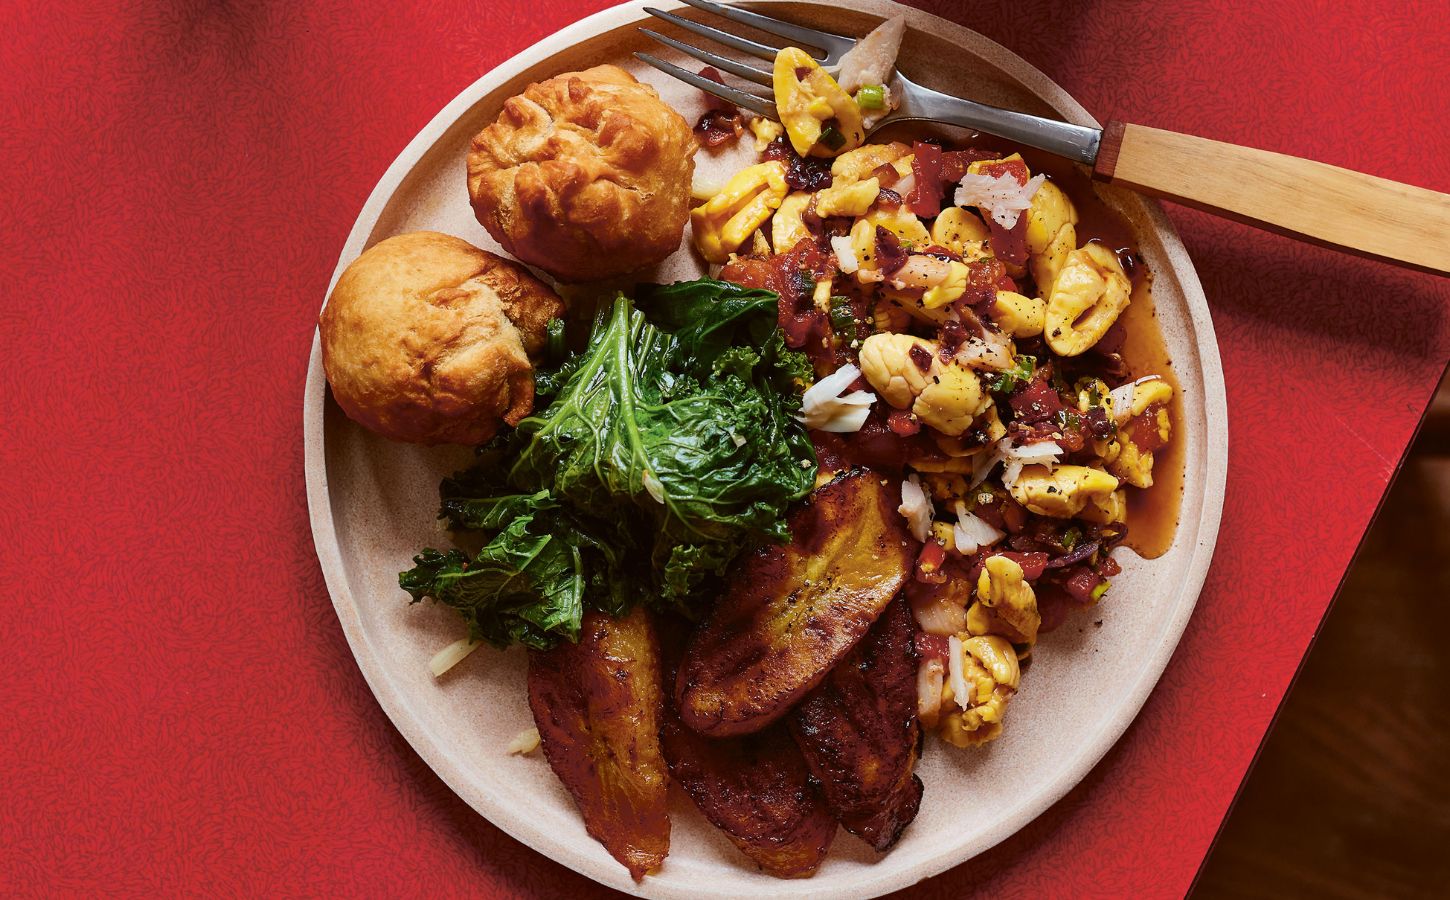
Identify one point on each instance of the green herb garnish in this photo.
(843, 317)
(831, 139)
(871, 96)
(1070, 537)
(1023, 368)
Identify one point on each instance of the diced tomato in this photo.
(903, 422)
(921, 593)
(1037, 401)
(1003, 513)
(1143, 429)
(876, 446)
(986, 273)
(991, 513)
(749, 271)
(1009, 244)
(932, 646)
(825, 229)
(1033, 564)
(1053, 604)
(954, 163)
(791, 275)
(926, 165)
(1026, 542)
(983, 277)
(1071, 438)
(1014, 516)
(1080, 583)
(885, 175)
(1045, 531)
(950, 337)
(1014, 167)
(1024, 433)
(930, 563)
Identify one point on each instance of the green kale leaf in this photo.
(669, 443)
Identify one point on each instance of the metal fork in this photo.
(917, 103)
(1323, 204)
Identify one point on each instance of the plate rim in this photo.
(518, 825)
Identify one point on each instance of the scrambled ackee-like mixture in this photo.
(962, 337)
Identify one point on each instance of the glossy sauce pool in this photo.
(1152, 513)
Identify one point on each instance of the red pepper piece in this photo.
(926, 194)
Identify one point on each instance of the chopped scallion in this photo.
(1023, 368)
(871, 96)
(1070, 538)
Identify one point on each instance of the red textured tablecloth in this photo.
(182, 714)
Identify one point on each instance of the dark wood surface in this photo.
(1351, 794)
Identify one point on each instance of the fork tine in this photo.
(725, 92)
(798, 35)
(714, 59)
(720, 37)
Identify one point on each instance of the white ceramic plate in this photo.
(373, 504)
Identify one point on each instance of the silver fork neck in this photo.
(1076, 142)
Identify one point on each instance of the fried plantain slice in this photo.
(790, 612)
(598, 705)
(757, 790)
(859, 733)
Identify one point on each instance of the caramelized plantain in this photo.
(598, 705)
(757, 790)
(859, 733)
(790, 612)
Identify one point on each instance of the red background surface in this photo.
(182, 712)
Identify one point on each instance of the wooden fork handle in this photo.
(1323, 204)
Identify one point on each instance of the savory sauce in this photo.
(1152, 513)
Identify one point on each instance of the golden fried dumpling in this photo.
(585, 175)
(428, 339)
